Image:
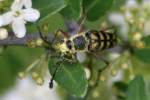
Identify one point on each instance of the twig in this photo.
(14, 41)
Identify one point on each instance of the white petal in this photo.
(117, 19)
(17, 4)
(128, 15)
(131, 4)
(19, 28)
(124, 30)
(3, 33)
(27, 3)
(31, 15)
(6, 19)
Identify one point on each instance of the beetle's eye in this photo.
(69, 44)
(88, 34)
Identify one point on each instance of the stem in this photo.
(96, 81)
(14, 41)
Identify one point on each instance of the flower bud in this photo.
(137, 36)
(96, 94)
(140, 44)
(22, 75)
(39, 42)
(102, 78)
(124, 66)
(35, 75)
(88, 73)
(113, 72)
(40, 81)
(31, 44)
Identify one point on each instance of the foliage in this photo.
(71, 77)
(136, 89)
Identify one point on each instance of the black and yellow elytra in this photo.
(100, 40)
(89, 41)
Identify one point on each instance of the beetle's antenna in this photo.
(81, 27)
(82, 20)
(54, 74)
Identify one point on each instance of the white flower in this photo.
(18, 16)
(119, 20)
(26, 90)
(3, 33)
(131, 4)
(21, 3)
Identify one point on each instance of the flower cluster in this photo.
(133, 21)
(21, 11)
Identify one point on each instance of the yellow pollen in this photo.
(17, 13)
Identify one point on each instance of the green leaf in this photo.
(143, 54)
(67, 13)
(75, 6)
(120, 90)
(120, 86)
(70, 76)
(147, 40)
(118, 4)
(73, 10)
(136, 89)
(5, 5)
(48, 10)
(49, 7)
(15, 59)
(96, 8)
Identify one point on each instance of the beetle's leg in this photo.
(44, 38)
(96, 82)
(99, 56)
(111, 29)
(60, 32)
(81, 24)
